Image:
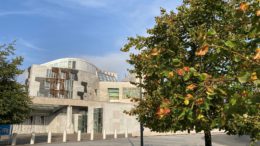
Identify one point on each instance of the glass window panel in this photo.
(113, 93)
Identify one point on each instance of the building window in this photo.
(31, 120)
(131, 92)
(42, 120)
(113, 93)
(47, 85)
(96, 92)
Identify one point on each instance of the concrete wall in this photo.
(35, 71)
(92, 85)
(37, 75)
(114, 118)
(103, 88)
(55, 123)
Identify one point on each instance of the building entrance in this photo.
(98, 120)
(83, 123)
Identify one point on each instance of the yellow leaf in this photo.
(258, 13)
(200, 116)
(155, 52)
(186, 102)
(254, 76)
(171, 74)
(210, 89)
(202, 51)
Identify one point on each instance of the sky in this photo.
(93, 30)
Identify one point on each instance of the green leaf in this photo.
(243, 77)
(230, 44)
(175, 61)
(203, 76)
(237, 58)
(257, 82)
(186, 77)
(211, 32)
(192, 70)
(182, 114)
(222, 91)
(233, 101)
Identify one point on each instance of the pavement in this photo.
(174, 140)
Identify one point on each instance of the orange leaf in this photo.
(191, 87)
(202, 51)
(243, 6)
(180, 72)
(189, 96)
(257, 55)
(161, 112)
(186, 68)
(166, 111)
(199, 101)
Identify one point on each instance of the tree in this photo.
(200, 69)
(14, 99)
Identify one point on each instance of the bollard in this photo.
(32, 138)
(92, 135)
(64, 136)
(126, 133)
(115, 135)
(14, 139)
(104, 134)
(79, 135)
(49, 137)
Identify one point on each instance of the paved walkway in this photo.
(175, 140)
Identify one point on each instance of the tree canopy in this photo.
(200, 68)
(14, 99)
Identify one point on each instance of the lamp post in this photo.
(141, 124)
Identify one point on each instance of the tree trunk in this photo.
(207, 136)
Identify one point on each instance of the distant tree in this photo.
(14, 99)
(201, 69)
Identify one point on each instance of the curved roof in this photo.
(83, 65)
(74, 63)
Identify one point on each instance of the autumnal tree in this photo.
(14, 99)
(200, 69)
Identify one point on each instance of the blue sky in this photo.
(95, 30)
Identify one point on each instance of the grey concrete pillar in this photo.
(69, 126)
(104, 134)
(64, 136)
(79, 135)
(14, 139)
(115, 134)
(32, 138)
(126, 133)
(90, 118)
(92, 135)
(49, 137)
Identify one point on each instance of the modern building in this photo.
(71, 94)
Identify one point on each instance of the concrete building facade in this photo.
(71, 94)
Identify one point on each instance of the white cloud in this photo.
(28, 45)
(79, 3)
(114, 62)
(39, 12)
(7, 13)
